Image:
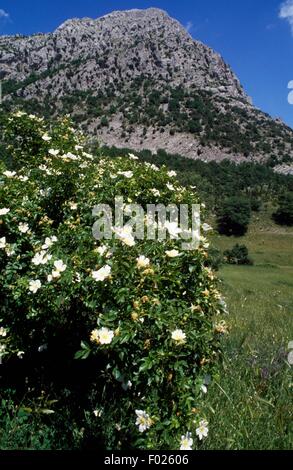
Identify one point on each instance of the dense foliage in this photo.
(234, 216)
(140, 317)
(217, 181)
(238, 255)
(284, 213)
(157, 106)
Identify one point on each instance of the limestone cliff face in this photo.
(137, 78)
(121, 45)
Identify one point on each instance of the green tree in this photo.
(234, 216)
(284, 213)
(104, 122)
(238, 255)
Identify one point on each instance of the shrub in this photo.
(104, 122)
(215, 258)
(238, 255)
(255, 204)
(234, 217)
(144, 332)
(284, 213)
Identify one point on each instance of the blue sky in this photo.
(251, 35)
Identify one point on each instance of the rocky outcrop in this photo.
(104, 73)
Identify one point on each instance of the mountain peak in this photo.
(132, 14)
(139, 12)
(137, 78)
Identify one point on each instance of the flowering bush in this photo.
(142, 314)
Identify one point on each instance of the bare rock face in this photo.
(104, 72)
(121, 45)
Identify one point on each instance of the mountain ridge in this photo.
(137, 78)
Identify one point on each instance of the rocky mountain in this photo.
(137, 79)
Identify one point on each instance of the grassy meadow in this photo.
(252, 406)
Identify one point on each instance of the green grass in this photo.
(252, 407)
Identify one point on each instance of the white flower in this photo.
(77, 278)
(34, 286)
(37, 259)
(44, 192)
(69, 156)
(132, 157)
(98, 413)
(23, 178)
(55, 274)
(127, 174)
(102, 250)
(2, 242)
(102, 336)
(19, 113)
(3, 332)
(49, 242)
(186, 442)
(170, 187)
(9, 251)
(41, 258)
(54, 152)
(179, 336)
(49, 278)
(143, 420)
(125, 235)
(172, 173)
(152, 166)
(204, 389)
(73, 206)
(202, 430)
(105, 335)
(207, 228)
(4, 211)
(20, 354)
(155, 192)
(142, 262)
(88, 155)
(43, 167)
(173, 229)
(204, 241)
(46, 258)
(60, 266)
(46, 137)
(172, 253)
(9, 174)
(23, 228)
(102, 273)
